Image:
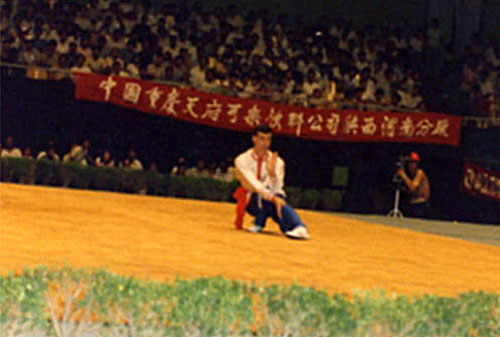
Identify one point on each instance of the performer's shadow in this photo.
(266, 233)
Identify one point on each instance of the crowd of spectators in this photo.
(250, 56)
(81, 154)
(481, 76)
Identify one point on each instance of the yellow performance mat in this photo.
(160, 238)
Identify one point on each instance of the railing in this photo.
(44, 73)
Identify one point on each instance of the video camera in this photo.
(402, 161)
(400, 164)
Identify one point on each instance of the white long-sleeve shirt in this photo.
(254, 176)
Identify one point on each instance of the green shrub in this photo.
(211, 189)
(153, 183)
(107, 179)
(17, 170)
(4, 163)
(46, 172)
(157, 183)
(181, 187)
(134, 181)
(331, 200)
(310, 199)
(73, 175)
(293, 195)
(232, 188)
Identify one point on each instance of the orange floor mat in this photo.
(160, 238)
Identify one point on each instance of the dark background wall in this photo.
(35, 112)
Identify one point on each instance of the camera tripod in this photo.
(395, 212)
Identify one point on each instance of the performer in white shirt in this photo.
(262, 174)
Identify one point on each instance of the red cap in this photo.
(414, 157)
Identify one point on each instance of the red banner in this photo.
(244, 114)
(481, 182)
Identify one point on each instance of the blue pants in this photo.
(289, 218)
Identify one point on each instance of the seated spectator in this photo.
(10, 151)
(197, 75)
(153, 168)
(180, 168)
(49, 154)
(117, 40)
(29, 54)
(27, 153)
(210, 83)
(127, 54)
(79, 154)
(116, 70)
(131, 162)
(181, 71)
(368, 86)
(133, 67)
(96, 63)
(49, 58)
(198, 171)
(114, 56)
(105, 160)
(84, 48)
(317, 99)
(380, 97)
(63, 42)
(81, 66)
(155, 69)
(409, 100)
(480, 104)
(72, 55)
(251, 88)
(223, 174)
(173, 47)
(396, 99)
(212, 170)
(9, 52)
(298, 96)
(61, 68)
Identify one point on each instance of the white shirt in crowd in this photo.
(309, 87)
(76, 155)
(43, 154)
(416, 44)
(12, 153)
(228, 176)
(434, 36)
(197, 76)
(82, 69)
(369, 93)
(195, 172)
(134, 165)
(157, 71)
(408, 101)
(133, 70)
(492, 57)
(400, 43)
(99, 162)
(254, 175)
(174, 51)
(487, 88)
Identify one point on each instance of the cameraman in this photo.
(418, 186)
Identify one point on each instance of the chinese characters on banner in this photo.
(481, 182)
(243, 114)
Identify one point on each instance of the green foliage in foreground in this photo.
(68, 302)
